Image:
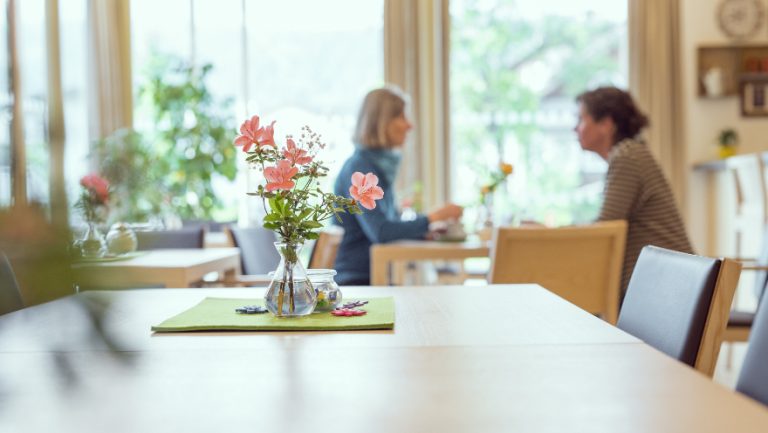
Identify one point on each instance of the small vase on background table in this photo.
(93, 245)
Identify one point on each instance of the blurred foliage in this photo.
(39, 253)
(169, 167)
(135, 173)
(191, 131)
(496, 53)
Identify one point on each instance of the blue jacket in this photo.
(380, 225)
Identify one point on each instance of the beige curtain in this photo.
(18, 148)
(56, 132)
(111, 101)
(656, 82)
(416, 59)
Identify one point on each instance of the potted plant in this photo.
(727, 141)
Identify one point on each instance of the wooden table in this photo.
(491, 359)
(383, 256)
(170, 268)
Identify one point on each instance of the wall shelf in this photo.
(734, 62)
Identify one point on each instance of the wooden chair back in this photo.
(750, 202)
(326, 247)
(579, 263)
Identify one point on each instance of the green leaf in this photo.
(272, 217)
(304, 214)
(311, 225)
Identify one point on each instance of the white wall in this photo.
(703, 120)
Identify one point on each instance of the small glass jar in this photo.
(328, 292)
(121, 239)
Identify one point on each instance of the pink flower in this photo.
(295, 155)
(266, 136)
(364, 189)
(280, 177)
(97, 186)
(251, 133)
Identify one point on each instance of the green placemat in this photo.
(218, 314)
(111, 258)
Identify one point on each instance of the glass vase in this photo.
(290, 293)
(93, 245)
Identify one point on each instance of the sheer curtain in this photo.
(56, 132)
(416, 43)
(656, 82)
(111, 101)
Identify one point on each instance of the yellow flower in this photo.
(506, 168)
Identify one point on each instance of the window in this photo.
(74, 86)
(32, 52)
(310, 68)
(516, 68)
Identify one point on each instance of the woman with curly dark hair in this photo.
(636, 189)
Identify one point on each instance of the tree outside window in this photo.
(516, 67)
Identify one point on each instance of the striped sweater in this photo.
(637, 191)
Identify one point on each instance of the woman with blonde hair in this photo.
(382, 128)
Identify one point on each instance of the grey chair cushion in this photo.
(753, 379)
(10, 297)
(181, 238)
(761, 276)
(257, 249)
(740, 319)
(668, 301)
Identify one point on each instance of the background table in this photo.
(383, 256)
(170, 268)
(511, 358)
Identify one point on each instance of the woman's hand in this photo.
(447, 212)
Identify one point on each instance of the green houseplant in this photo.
(191, 133)
(169, 167)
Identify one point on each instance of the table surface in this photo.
(460, 359)
(169, 258)
(171, 268)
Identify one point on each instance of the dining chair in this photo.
(326, 247)
(191, 237)
(10, 296)
(579, 263)
(750, 200)
(740, 321)
(258, 255)
(753, 379)
(679, 304)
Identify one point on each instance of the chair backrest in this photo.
(750, 203)
(10, 297)
(325, 249)
(748, 179)
(679, 303)
(753, 379)
(207, 225)
(761, 274)
(192, 237)
(579, 263)
(257, 249)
